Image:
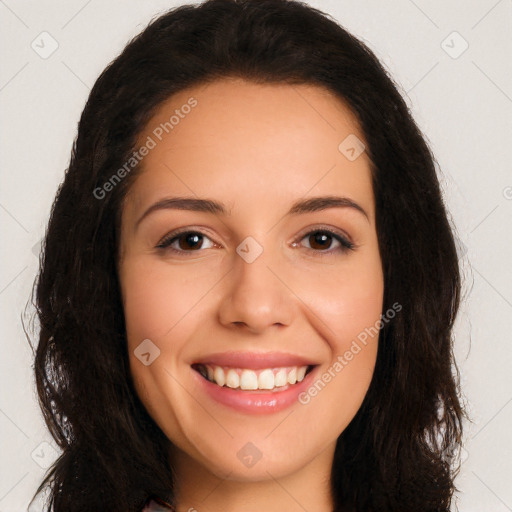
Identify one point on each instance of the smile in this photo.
(254, 382)
(270, 379)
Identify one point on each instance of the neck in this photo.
(308, 488)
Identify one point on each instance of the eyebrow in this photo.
(308, 205)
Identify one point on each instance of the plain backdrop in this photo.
(452, 63)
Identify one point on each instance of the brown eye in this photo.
(322, 240)
(190, 241)
(186, 241)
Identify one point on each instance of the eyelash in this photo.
(345, 244)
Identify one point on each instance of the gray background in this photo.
(462, 100)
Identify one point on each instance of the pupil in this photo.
(191, 239)
(320, 239)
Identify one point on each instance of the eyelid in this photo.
(329, 229)
(169, 237)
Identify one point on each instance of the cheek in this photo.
(346, 307)
(156, 298)
(347, 298)
(351, 328)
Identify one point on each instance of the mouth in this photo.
(273, 379)
(254, 382)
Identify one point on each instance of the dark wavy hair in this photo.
(392, 456)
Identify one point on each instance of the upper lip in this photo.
(254, 360)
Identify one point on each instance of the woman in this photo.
(249, 281)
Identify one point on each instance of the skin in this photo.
(257, 149)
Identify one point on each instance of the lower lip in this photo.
(256, 403)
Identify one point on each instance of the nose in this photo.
(256, 296)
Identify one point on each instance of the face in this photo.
(264, 289)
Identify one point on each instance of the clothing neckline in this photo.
(156, 504)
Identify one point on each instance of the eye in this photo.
(321, 240)
(184, 241)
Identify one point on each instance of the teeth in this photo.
(280, 378)
(218, 376)
(269, 378)
(232, 379)
(266, 379)
(248, 380)
(203, 371)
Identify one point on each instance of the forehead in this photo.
(265, 143)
